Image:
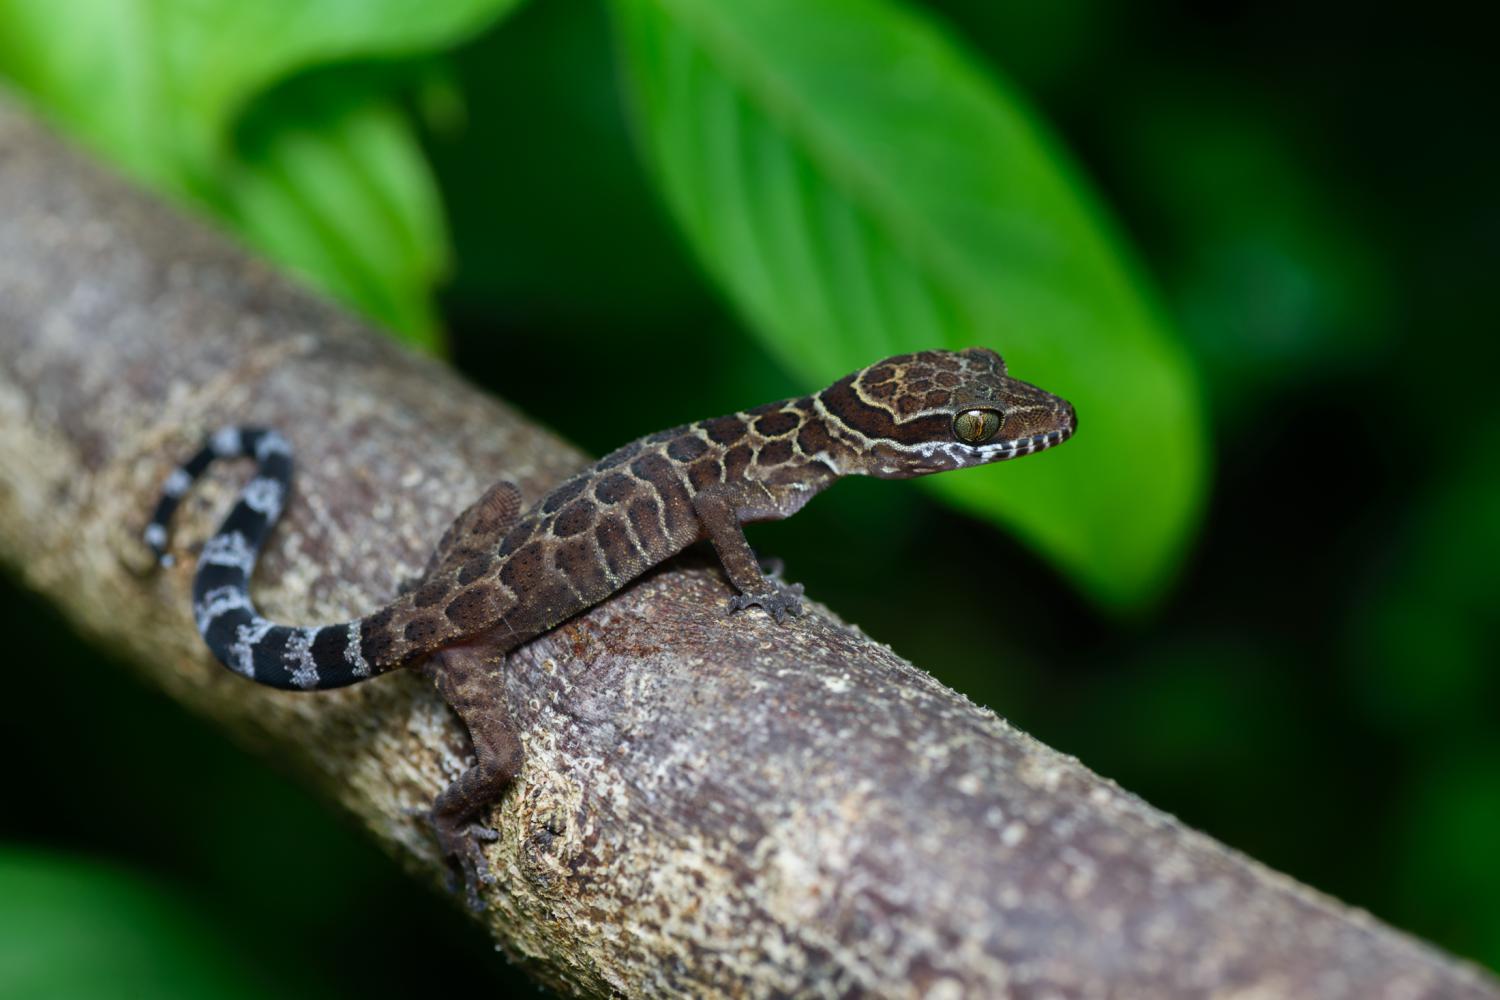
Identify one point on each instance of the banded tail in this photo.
(313, 658)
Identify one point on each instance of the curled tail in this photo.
(307, 659)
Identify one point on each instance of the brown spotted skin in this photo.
(501, 576)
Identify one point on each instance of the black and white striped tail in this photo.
(307, 659)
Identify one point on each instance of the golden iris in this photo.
(976, 426)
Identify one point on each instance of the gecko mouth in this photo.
(952, 455)
(1033, 444)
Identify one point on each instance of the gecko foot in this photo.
(785, 599)
(461, 845)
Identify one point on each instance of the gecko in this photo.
(501, 575)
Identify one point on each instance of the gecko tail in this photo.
(261, 506)
(292, 658)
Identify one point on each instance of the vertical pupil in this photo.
(976, 426)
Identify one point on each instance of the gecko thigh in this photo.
(479, 528)
(469, 679)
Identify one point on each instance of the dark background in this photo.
(1309, 189)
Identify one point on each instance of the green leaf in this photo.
(343, 196)
(160, 86)
(859, 187)
(160, 82)
(70, 929)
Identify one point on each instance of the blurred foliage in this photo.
(1427, 634)
(70, 928)
(1271, 288)
(859, 187)
(1320, 688)
(330, 182)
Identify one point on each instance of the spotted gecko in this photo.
(501, 576)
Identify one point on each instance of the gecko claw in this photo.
(470, 869)
(785, 599)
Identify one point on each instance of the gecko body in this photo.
(501, 576)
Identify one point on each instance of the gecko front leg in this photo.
(719, 512)
(469, 679)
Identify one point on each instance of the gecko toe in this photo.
(470, 869)
(784, 600)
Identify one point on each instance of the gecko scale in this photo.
(501, 576)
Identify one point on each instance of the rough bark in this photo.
(709, 806)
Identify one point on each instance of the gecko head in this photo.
(933, 411)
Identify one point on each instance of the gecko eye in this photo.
(976, 426)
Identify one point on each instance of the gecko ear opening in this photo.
(976, 426)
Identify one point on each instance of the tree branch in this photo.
(708, 805)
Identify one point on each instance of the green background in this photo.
(1248, 242)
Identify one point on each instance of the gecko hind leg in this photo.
(469, 679)
(479, 528)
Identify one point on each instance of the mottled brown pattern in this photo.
(524, 565)
(894, 418)
(422, 629)
(705, 473)
(616, 545)
(619, 456)
(583, 565)
(645, 522)
(500, 576)
(736, 461)
(474, 568)
(432, 592)
(517, 536)
(377, 641)
(468, 609)
(813, 438)
(613, 487)
(573, 519)
(775, 452)
(564, 493)
(686, 448)
(775, 424)
(725, 430)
